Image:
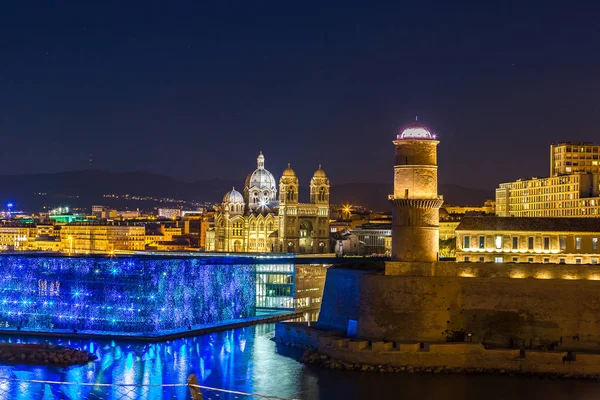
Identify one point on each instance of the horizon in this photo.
(190, 89)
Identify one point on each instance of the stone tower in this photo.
(416, 204)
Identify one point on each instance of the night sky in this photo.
(195, 90)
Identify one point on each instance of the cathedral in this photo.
(257, 220)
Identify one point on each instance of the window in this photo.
(467, 259)
(594, 261)
(530, 242)
(578, 261)
(562, 261)
(515, 259)
(594, 243)
(481, 242)
(467, 242)
(578, 243)
(546, 243)
(499, 242)
(481, 259)
(498, 259)
(546, 260)
(530, 259)
(515, 243)
(563, 243)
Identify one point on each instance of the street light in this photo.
(347, 209)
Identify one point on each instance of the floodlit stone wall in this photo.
(531, 305)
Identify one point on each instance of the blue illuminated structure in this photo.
(131, 295)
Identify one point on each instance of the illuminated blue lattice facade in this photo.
(136, 295)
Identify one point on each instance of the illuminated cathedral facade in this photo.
(258, 220)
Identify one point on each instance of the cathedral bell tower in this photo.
(416, 204)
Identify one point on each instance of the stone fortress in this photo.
(260, 221)
(416, 298)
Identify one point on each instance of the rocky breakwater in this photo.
(38, 354)
(311, 356)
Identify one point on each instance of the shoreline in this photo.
(313, 357)
(331, 349)
(169, 335)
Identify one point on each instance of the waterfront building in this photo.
(261, 221)
(416, 204)
(102, 238)
(574, 157)
(575, 195)
(571, 190)
(149, 295)
(528, 240)
(15, 237)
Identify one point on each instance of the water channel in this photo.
(248, 360)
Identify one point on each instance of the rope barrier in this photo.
(136, 385)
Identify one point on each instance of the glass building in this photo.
(142, 295)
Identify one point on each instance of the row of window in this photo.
(530, 242)
(578, 149)
(500, 259)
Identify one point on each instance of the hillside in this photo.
(83, 188)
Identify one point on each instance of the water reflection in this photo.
(247, 360)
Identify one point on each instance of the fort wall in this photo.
(524, 305)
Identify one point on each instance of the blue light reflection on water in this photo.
(247, 360)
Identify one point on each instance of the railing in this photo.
(41, 389)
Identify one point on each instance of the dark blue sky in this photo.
(195, 89)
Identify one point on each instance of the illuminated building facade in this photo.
(532, 240)
(169, 213)
(575, 195)
(416, 204)
(148, 295)
(15, 237)
(574, 157)
(261, 221)
(122, 295)
(489, 207)
(572, 190)
(98, 238)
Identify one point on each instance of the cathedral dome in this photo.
(289, 172)
(416, 132)
(260, 178)
(233, 196)
(320, 173)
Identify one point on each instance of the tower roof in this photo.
(319, 173)
(288, 171)
(233, 196)
(260, 178)
(416, 132)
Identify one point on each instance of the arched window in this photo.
(322, 194)
(261, 226)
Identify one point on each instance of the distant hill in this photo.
(84, 188)
(375, 194)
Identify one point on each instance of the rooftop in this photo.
(529, 224)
